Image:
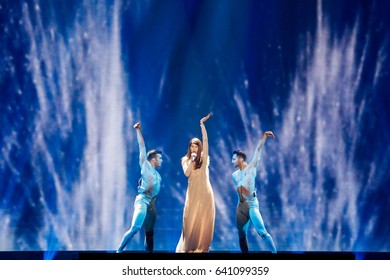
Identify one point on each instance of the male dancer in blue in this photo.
(144, 209)
(248, 205)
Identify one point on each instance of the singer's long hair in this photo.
(198, 160)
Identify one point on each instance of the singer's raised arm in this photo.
(205, 141)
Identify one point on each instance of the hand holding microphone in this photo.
(193, 156)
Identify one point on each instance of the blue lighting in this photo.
(75, 77)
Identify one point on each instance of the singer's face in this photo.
(194, 148)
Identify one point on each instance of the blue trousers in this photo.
(246, 212)
(144, 215)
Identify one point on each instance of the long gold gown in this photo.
(199, 208)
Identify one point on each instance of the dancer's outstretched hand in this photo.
(268, 134)
(137, 126)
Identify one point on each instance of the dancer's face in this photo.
(157, 160)
(194, 148)
(236, 161)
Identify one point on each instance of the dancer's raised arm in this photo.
(141, 144)
(256, 155)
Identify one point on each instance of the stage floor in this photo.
(213, 255)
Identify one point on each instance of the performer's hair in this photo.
(153, 153)
(198, 160)
(240, 153)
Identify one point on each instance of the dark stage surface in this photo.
(215, 255)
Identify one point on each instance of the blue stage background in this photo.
(76, 75)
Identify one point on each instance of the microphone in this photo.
(193, 156)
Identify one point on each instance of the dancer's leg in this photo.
(242, 223)
(258, 223)
(136, 224)
(149, 222)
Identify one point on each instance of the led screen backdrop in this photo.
(76, 75)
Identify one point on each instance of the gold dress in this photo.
(199, 208)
